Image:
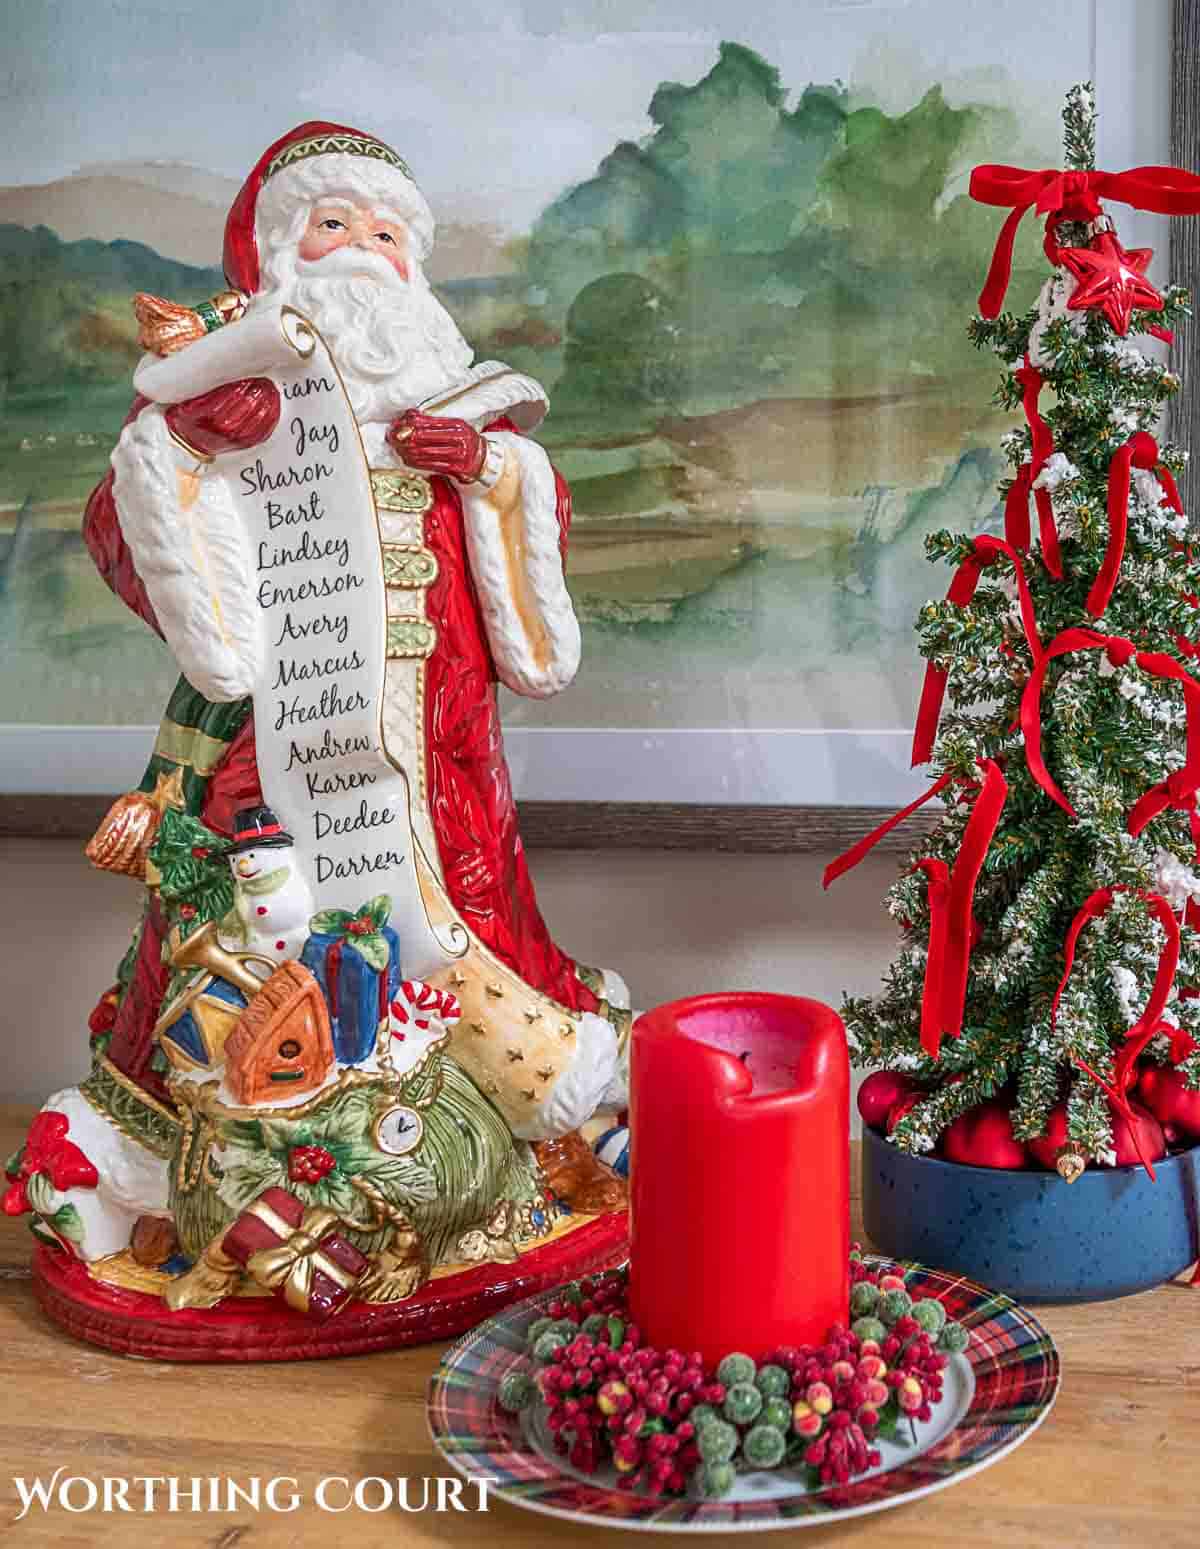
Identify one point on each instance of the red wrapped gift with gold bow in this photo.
(292, 1249)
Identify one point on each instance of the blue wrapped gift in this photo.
(358, 995)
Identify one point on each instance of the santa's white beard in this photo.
(393, 341)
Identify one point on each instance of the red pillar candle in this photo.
(739, 1172)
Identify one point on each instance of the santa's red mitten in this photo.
(231, 418)
(435, 445)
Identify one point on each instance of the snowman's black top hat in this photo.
(256, 828)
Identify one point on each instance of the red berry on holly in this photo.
(187, 911)
(309, 1164)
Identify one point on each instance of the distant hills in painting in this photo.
(751, 323)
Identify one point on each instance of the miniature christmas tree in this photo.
(1051, 949)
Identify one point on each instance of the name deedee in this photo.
(147, 1494)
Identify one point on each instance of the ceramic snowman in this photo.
(272, 903)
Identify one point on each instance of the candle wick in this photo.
(744, 1056)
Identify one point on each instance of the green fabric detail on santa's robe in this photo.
(466, 1164)
(193, 737)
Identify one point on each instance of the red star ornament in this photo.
(1111, 280)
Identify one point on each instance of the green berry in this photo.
(868, 1328)
(717, 1479)
(702, 1415)
(931, 1315)
(717, 1442)
(864, 1299)
(776, 1412)
(954, 1338)
(593, 1323)
(616, 1332)
(516, 1392)
(546, 1344)
(763, 1446)
(773, 1382)
(536, 1329)
(742, 1403)
(895, 1305)
(736, 1368)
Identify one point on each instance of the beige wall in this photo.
(672, 923)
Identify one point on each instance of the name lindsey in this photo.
(313, 550)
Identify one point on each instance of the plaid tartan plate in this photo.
(996, 1395)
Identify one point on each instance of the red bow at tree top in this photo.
(962, 589)
(951, 897)
(1070, 196)
(1140, 451)
(1140, 1034)
(1179, 789)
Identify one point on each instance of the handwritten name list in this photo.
(308, 508)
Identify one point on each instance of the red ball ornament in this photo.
(1045, 1148)
(983, 1137)
(880, 1093)
(1168, 1098)
(902, 1107)
(1149, 1136)
(1111, 280)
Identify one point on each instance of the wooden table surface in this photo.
(1115, 1463)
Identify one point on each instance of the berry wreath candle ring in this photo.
(1022, 1061)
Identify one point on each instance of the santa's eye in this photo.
(385, 236)
(331, 223)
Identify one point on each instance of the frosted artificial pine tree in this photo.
(988, 902)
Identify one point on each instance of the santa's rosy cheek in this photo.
(316, 243)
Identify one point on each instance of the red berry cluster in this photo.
(362, 927)
(309, 1164)
(650, 1411)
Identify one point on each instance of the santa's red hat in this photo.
(330, 147)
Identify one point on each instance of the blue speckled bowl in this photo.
(1031, 1234)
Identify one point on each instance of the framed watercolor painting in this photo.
(737, 247)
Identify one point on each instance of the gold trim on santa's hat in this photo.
(336, 145)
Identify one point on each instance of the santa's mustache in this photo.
(350, 263)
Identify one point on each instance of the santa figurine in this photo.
(332, 223)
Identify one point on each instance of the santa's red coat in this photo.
(470, 796)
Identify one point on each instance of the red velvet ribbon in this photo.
(857, 852)
(962, 590)
(951, 897)
(1042, 446)
(1140, 1034)
(1075, 196)
(1177, 790)
(1140, 451)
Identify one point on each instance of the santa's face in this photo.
(350, 265)
(341, 223)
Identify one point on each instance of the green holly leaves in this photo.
(363, 930)
(194, 881)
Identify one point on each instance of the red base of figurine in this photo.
(263, 1329)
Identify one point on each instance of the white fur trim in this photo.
(196, 563)
(133, 1181)
(515, 661)
(493, 464)
(616, 991)
(580, 1087)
